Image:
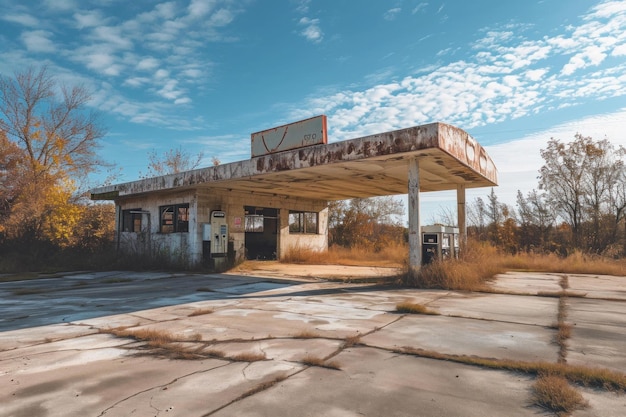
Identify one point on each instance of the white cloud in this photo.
(200, 8)
(38, 41)
(147, 64)
(392, 13)
(312, 31)
(21, 18)
(419, 7)
(89, 19)
(222, 17)
(509, 77)
(619, 50)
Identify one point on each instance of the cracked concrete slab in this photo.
(268, 348)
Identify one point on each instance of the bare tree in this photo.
(174, 161)
(51, 123)
(372, 222)
(580, 180)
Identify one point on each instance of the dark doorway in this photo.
(261, 225)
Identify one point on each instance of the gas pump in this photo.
(439, 243)
(215, 239)
(219, 234)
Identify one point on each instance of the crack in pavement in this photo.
(161, 386)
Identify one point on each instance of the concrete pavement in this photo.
(270, 347)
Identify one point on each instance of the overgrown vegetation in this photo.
(392, 255)
(556, 394)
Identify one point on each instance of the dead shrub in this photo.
(557, 395)
(414, 308)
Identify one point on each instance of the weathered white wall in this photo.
(201, 203)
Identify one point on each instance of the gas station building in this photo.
(260, 207)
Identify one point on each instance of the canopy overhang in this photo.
(369, 166)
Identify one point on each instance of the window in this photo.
(302, 222)
(254, 223)
(174, 218)
(131, 220)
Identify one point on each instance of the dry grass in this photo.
(557, 395)
(414, 308)
(262, 387)
(351, 341)
(200, 312)
(393, 255)
(576, 263)
(583, 375)
(307, 334)
(310, 360)
(480, 262)
(163, 342)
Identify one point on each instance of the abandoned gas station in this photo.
(278, 199)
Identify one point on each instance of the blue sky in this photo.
(204, 74)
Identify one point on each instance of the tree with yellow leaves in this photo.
(48, 140)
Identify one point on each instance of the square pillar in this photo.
(415, 238)
(461, 213)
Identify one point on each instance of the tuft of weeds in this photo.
(351, 341)
(414, 308)
(307, 334)
(262, 387)
(161, 341)
(310, 360)
(557, 395)
(200, 312)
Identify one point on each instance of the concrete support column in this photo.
(461, 213)
(283, 232)
(415, 240)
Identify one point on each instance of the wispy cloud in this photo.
(392, 13)
(508, 77)
(24, 19)
(38, 41)
(312, 31)
(159, 51)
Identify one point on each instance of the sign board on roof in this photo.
(291, 136)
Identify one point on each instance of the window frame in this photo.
(300, 222)
(131, 220)
(177, 221)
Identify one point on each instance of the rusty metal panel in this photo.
(291, 136)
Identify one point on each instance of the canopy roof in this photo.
(370, 166)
